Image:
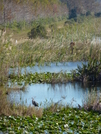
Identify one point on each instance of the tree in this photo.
(72, 13)
(82, 6)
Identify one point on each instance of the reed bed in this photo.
(54, 48)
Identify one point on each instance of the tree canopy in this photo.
(28, 10)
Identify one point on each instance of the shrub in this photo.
(98, 14)
(73, 14)
(88, 13)
(37, 31)
(90, 71)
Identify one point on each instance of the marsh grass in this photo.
(56, 48)
(21, 110)
(7, 108)
(92, 70)
(92, 101)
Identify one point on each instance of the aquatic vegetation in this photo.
(41, 78)
(90, 71)
(52, 49)
(52, 119)
(55, 48)
(66, 120)
(92, 101)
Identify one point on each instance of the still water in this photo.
(52, 68)
(70, 93)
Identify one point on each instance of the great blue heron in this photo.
(34, 103)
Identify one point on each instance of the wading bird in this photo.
(34, 103)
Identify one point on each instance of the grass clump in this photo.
(91, 71)
(92, 101)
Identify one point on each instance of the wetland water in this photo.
(52, 68)
(69, 93)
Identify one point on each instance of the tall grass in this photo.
(7, 108)
(92, 101)
(55, 48)
(92, 70)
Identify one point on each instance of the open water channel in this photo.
(68, 93)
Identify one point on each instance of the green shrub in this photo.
(37, 31)
(98, 14)
(88, 13)
(72, 14)
(90, 71)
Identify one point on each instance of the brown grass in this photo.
(7, 108)
(92, 101)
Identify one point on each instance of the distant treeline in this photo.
(29, 10)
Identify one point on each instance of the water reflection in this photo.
(70, 93)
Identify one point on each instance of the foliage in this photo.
(72, 14)
(43, 21)
(55, 48)
(17, 25)
(90, 71)
(88, 13)
(98, 14)
(29, 10)
(4, 59)
(82, 5)
(37, 31)
(41, 78)
(10, 108)
(92, 101)
(66, 120)
(53, 27)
